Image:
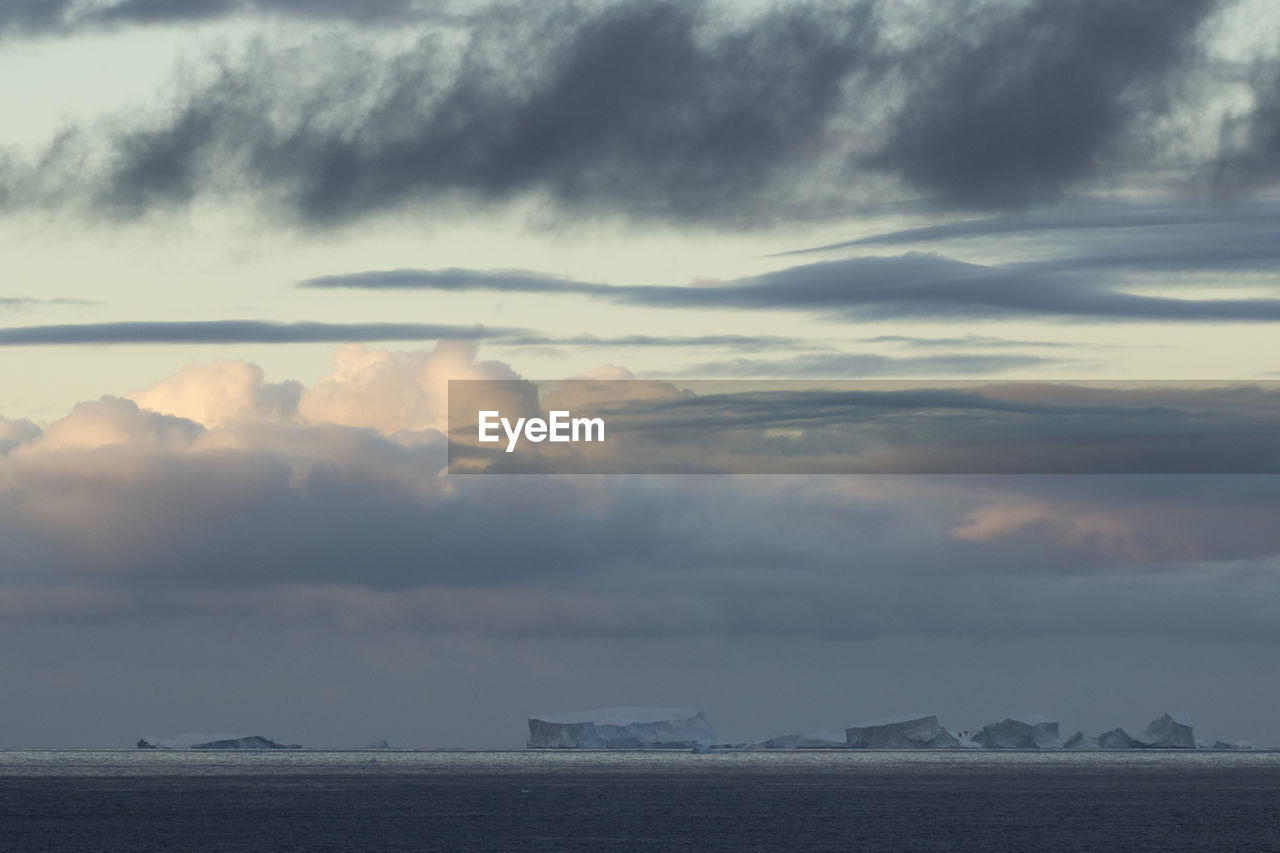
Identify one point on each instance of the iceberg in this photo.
(823, 740)
(1235, 744)
(816, 740)
(920, 731)
(1032, 732)
(1118, 739)
(1170, 731)
(621, 728)
(1080, 740)
(203, 741)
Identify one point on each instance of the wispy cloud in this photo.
(828, 365)
(736, 342)
(23, 302)
(237, 331)
(915, 284)
(964, 342)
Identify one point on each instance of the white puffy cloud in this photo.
(115, 422)
(221, 393)
(394, 391)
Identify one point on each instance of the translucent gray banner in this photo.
(647, 426)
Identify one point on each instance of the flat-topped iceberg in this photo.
(204, 741)
(1033, 732)
(822, 740)
(919, 731)
(621, 728)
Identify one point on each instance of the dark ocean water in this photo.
(145, 801)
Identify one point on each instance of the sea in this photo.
(390, 800)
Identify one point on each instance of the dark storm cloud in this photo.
(166, 11)
(236, 331)
(32, 15)
(911, 285)
(1010, 112)
(654, 110)
(635, 108)
(1251, 141)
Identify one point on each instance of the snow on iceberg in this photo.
(919, 731)
(621, 728)
(203, 741)
(1031, 732)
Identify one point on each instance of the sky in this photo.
(247, 243)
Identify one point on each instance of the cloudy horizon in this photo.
(248, 243)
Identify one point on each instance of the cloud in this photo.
(32, 15)
(646, 109)
(394, 391)
(113, 422)
(735, 342)
(266, 332)
(67, 16)
(966, 341)
(915, 284)
(221, 393)
(921, 427)
(457, 280)
(1009, 108)
(1253, 147)
(332, 517)
(236, 331)
(1066, 218)
(16, 432)
(651, 111)
(828, 365)
(23, 302)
